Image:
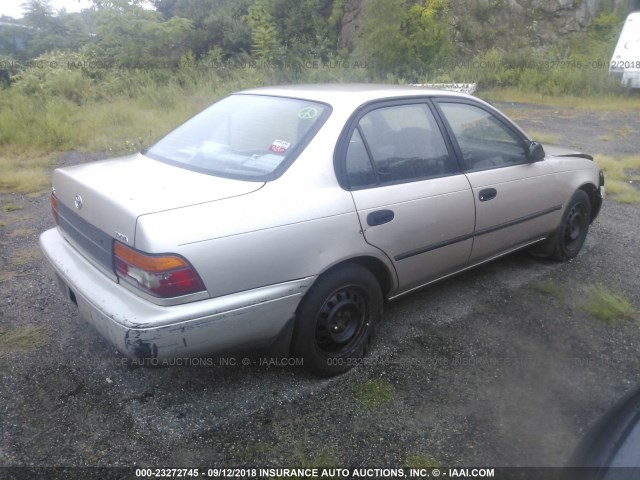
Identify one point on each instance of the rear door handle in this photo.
(487, 194)
(380, 217)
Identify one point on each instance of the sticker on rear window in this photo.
(279, 147)
(308, 113)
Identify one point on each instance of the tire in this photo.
(336, 319)
(572, 231)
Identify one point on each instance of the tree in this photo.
(217, 24)
(264, 36)
(404, 37)
(50, 30)
(382, 41)
(38, 13)
(429, 34)
(132, 36)
(304, 27)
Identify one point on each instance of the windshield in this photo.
(246, 137)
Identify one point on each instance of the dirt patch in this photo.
(501, 366)
(22, 339)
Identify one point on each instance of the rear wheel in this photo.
(336, 319)
(572, 231)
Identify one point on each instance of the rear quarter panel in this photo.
(296, 226)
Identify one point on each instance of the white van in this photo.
(625, 63)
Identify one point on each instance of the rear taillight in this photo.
(163, 276)
(54, 206)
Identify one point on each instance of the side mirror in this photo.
(535, 152)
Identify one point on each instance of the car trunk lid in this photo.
(101, 201)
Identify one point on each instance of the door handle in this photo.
(487, 194)
(380, 217)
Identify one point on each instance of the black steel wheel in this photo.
(573, 228)
(336, 319)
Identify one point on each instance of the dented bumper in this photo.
(140, 329)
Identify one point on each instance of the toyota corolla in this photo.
(288, 216)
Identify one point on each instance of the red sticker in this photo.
(279, 147)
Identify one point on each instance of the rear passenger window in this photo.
(397, 144)
(359, 166)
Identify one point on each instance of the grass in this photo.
(25, 257)
(25, 174)
(421, 461)
(609, 137)
(12, 207)
(134, 111)
(33, 129)
(613, 136)
(544, 138)
(613, 103)
(623, 133)
(31, 124)
(126, 126)
(119, 127)
(23, 218)
(22, 232)
(22, 339)
(622, 177)
(374, 393)
(547, 287)
(608, 306)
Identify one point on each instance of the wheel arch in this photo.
(377, 267)
(595, 201)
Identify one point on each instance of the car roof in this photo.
(351, 93)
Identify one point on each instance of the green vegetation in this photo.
(117, 76)
(12, 207)
(24, 175)
(374, 393)
(613, 136)
(607, 305)
(622, 177)
(402, 41)
(547, 287)
(421, 461)
(544, 138)
(22, 339)
(581, 103)
(575, 66)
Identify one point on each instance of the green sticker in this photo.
(308, 113)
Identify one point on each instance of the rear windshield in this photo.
(246, 137)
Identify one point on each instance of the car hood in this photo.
(556, 151)
(112, 194)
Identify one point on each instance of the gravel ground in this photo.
(482, 369)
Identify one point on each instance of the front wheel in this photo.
(336, 318)
(572, 231)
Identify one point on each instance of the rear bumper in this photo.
(140, 329)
